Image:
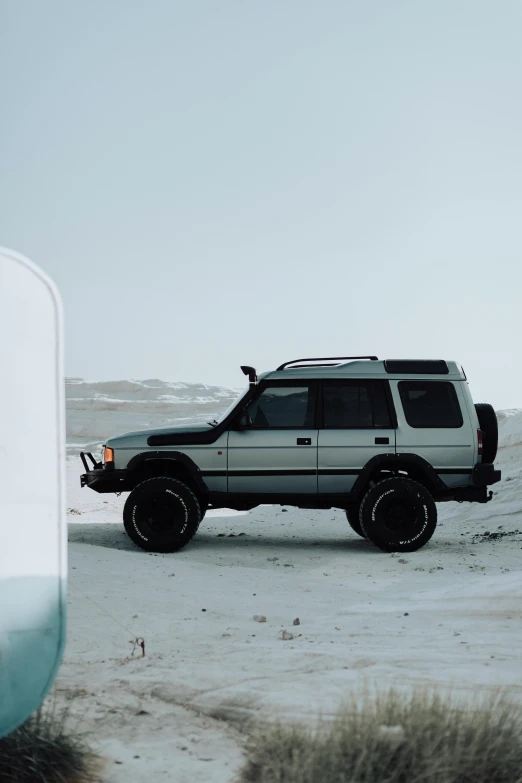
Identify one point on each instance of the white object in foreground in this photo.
(32, 515)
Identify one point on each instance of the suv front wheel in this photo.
(161, 514)
(352, 515)
(398, 515)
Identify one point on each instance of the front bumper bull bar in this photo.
(100, 477)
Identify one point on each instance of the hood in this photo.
(140, 437)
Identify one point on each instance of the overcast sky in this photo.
(216, 183)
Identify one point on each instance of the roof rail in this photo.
(336, 359)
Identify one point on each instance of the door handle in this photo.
(304, 441)
(382, 441)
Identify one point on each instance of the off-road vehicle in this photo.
(383, 440)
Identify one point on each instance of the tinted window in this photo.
(355, 404)
(283, 406)
(430, 404)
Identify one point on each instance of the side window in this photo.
(355, 405)
(430, 404)
(284, 406)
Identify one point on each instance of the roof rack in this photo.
(335, 359)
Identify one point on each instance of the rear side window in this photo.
(430, 404)
(355, 405)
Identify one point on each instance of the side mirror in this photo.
(32, 514)
(244, 422)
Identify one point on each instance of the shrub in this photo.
(422, 738)
(44, 751)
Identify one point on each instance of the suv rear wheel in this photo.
(398, 515)
(161, 515)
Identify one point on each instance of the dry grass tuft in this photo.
(44, 751)
(423, 738)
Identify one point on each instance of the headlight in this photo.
(108, 454)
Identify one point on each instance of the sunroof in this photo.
(416, 367)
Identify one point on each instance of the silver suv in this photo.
(383, 440)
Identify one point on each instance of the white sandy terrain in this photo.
(449, 614)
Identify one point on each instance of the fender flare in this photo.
(171, 456)
(392, 462)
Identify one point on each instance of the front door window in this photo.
(283, 407)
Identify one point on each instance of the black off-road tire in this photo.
(398, 515)
(352, 515)
(161, 515)
(489, 426)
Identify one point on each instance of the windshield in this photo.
(233, 405)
